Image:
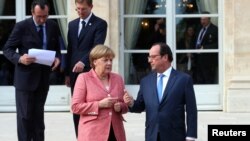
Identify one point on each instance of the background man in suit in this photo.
(168, 97)
(31, 79)
(206, 71)
(84, 33)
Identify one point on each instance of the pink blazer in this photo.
(94, 124)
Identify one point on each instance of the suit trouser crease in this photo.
(30, 114)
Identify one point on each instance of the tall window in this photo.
(144, 24)
(192, 30)
(148, 21)
(196, 42)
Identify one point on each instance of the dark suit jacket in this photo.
(168, 116)
(210, 38)
(78, 48)
(24, 37)
(207, 63)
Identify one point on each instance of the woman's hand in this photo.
(117, 107)
(107, 102)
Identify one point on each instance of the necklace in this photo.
(103, 78)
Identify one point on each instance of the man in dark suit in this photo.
(168, 98)
(206, 64)
(31, 79)
(84, 33)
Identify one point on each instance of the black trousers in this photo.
(76, 117)
(30, 114)
(111, 134)
(158, 137)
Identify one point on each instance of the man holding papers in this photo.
(31, 77)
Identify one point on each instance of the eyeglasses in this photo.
(153, 56)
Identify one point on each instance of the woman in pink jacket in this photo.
(98, 99)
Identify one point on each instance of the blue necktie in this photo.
(40, 32)
(41, 35)
(160, 87)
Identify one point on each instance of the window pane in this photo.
(189, 33)
(7, 7)
(6, 71)
(145, 6)
(185, 62)
(6, 27)
(57, 76)
(203, 67)
(6, 67)
(141, 33)
(196, 6)
(57, 7)
(62, 23)
(136, 67)
(185, 32)
(186, 7)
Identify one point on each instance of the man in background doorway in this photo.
(206, 71)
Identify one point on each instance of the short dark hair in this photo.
(41, 3)
(165, 50)
(89, 2)
(206, 12)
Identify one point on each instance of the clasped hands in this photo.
(109, 102)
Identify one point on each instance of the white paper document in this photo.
(45, 57)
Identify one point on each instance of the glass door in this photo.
(178, 23)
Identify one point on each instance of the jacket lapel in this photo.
(75, 28)
(87, 28)
(48, 34)
(98, 81)
(153, 85)
(170, 84)
(33, 30)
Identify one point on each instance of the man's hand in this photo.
(79, 66)
(55, 63)
(128, 99)
(26, 59)
(67, 81)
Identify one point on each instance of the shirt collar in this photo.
(87, 19)
(36, 23)
(207, 26)
(166, 72)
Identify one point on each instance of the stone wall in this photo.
(236, 51)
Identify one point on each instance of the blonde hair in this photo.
(100, 51)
